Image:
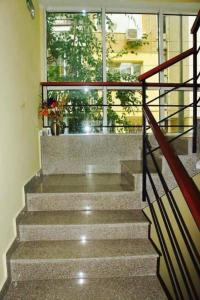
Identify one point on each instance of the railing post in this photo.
(194, 142)
(144, 157)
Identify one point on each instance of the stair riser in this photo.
(76, 232)
(95, 201)
(127, 175)
(90, 268)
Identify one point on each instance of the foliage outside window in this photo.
(74, 53)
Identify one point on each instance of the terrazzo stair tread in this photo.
(64, 250)
(71, 225)
(135, 288)
(135, 166)
(182, 146)
(74, 259)
(82, 217)
(80, 183)
(79, 201)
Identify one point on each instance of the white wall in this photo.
(19, 96)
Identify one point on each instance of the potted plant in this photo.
(54, 109)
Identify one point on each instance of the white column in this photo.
(105, 120)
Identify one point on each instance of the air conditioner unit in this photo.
(132, 34)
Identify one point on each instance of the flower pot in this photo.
(55, 128)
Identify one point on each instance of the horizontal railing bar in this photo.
(171, 140)
(173, 126)
(116, 88)
(186, 184)
(176, 137)
(110, 126)
(196, 24)
(126, 105)
(176, 112)
(169, 91)
(136, 126)
(166, 64)
(100, 84)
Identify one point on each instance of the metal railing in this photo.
(116, 86)
(188, 188)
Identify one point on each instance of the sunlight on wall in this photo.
(19, 94)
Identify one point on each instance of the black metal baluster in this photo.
(144, 162)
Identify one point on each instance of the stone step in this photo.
(182, 145)
(133, 288)
(132, 171)
(77, 259)
(121, 200)
(73, 225)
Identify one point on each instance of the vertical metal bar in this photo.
(45, 96)
(45, 64)
(194, 142)
(181, 101)
(170, 267)
(105, 119)
(144, 156)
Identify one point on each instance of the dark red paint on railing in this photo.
(113, 84)
(185, 183)
(196, 24)
(166, 64)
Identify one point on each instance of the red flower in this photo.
(44, 112)
(54, 104)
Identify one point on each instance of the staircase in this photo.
(83, 237)
(132, 169)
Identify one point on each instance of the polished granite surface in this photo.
(135, 166)
(87, 183)
(135, 288)
(80, 154)
(82, 217)
(45, 250)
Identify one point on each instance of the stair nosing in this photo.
(57, 260)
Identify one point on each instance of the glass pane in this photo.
(124, 112)
(179, 122)
(74, 47)
(132, 45)
(82, 112)
(177, 38)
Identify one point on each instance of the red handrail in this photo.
(166, 64)
(185, 183)
(115, 83)
(196, 24)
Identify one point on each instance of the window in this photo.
(89, 46)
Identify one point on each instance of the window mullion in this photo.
(105, 119)
(161, 60)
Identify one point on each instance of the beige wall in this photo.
(19, 95)
(195, 234)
